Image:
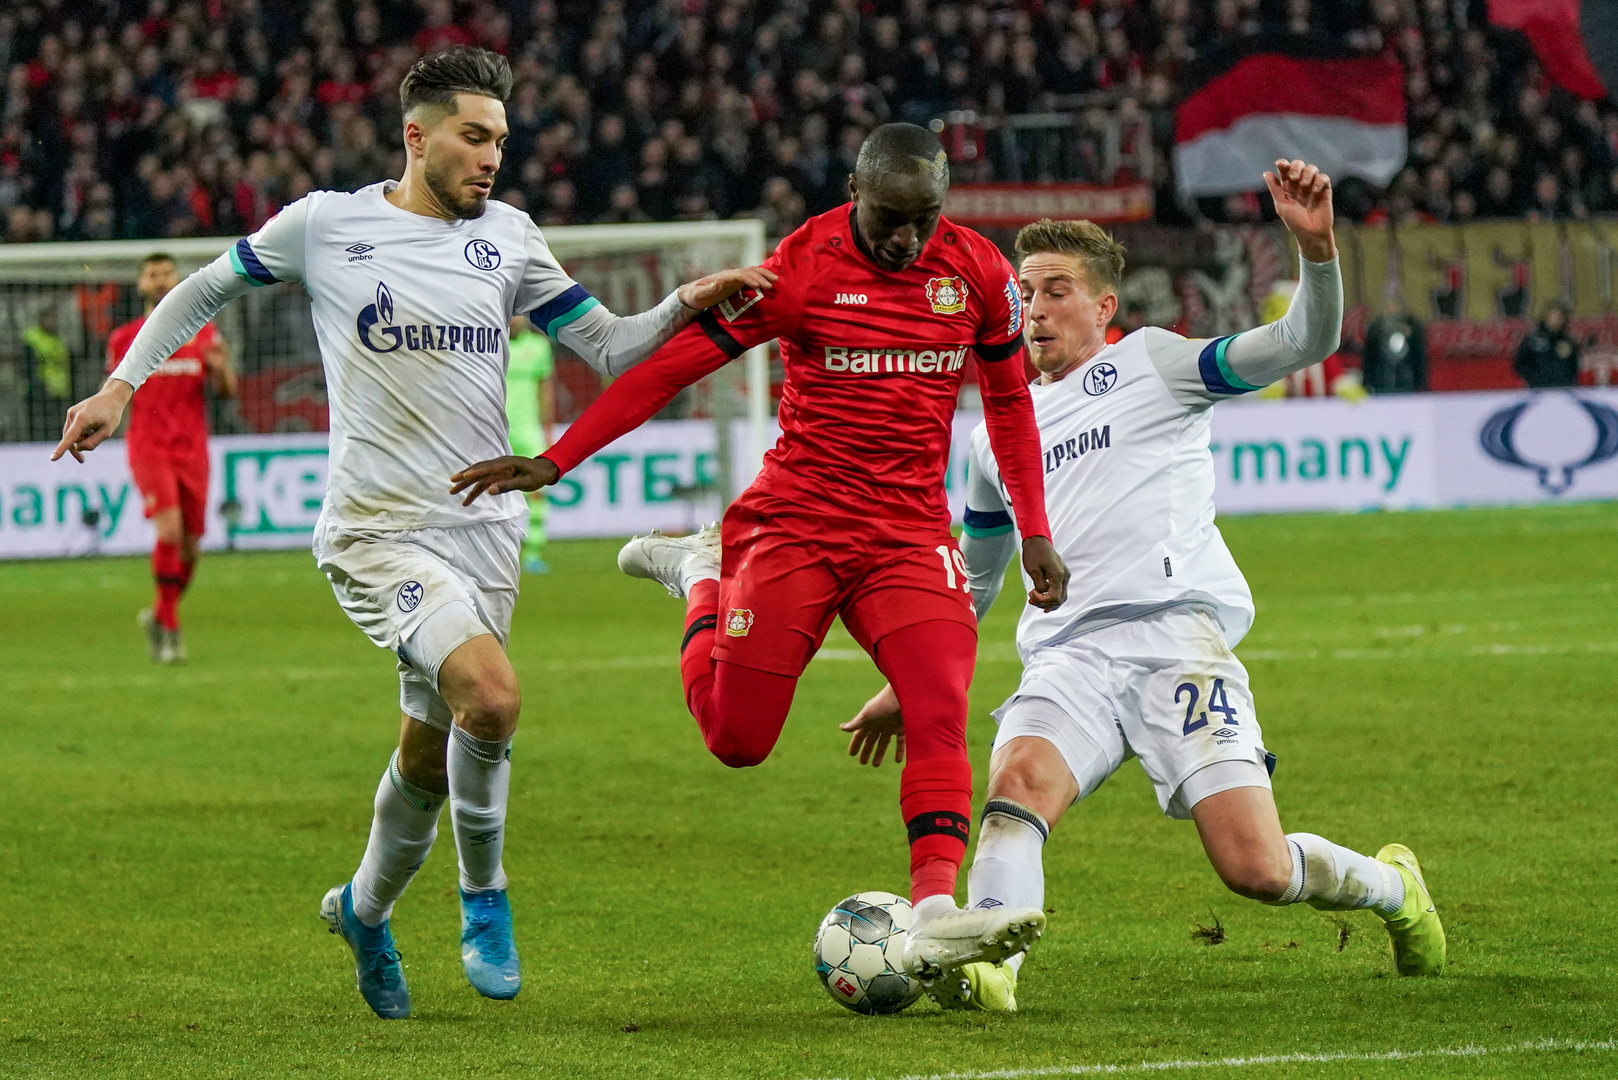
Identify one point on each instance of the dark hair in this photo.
(433, 81)
(905, 149)
(156, 256)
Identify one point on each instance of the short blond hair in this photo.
(1101, 256)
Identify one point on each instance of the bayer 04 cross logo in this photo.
(1099, 378)
(482, 254)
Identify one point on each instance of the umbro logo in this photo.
(1224, 733)
(851, 298)
(360, 252)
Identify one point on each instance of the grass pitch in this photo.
(1444, 679)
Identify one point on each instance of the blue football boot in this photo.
(377, 969)
(487, 948)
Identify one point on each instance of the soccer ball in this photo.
(859, 954)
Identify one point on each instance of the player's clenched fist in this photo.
(92, 420)
(503, 474)
(1048, 572)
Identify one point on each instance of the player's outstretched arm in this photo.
(624, 406)
(612, 344)
(175, 320)
(1200, 371)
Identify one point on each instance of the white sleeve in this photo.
(1200, 371)
(178, 317)
(273, 254)
(989, 539)
(564, 310)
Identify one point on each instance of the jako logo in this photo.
(377, 319)
(1500, 436)
(850, 298)
(894, 361)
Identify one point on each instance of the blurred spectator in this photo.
(1394, 360)
(1549, 356)
(50, 375)
(179, 117)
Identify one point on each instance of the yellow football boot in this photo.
(1416, 932)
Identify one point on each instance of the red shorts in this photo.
(182, 482)
(788, 571)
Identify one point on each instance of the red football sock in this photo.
(740, 709)
(169, 573)
(930, 667)
(186, 570)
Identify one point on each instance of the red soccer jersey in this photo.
(166, 417)
(874, 362)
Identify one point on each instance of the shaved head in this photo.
(898, 189)
(895, 150)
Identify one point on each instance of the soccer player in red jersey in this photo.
(167, 437)
(878, 307)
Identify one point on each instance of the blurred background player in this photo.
(167, 439)
(530, 412)
(877, 307)
(1140, 661)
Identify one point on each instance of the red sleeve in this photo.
(637, 396)
(715, 338)
(1009, 415)
(1008, 409)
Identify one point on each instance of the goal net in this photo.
(59, 302)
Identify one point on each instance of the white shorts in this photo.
(1165, 688)
(424, 593)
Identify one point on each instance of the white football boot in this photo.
(672, 560)
(945, 942)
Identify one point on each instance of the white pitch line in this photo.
(1538, 1045)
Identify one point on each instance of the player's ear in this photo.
(415, 135)
(1107, 309)
(853, 189)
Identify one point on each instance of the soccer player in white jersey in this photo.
(414, 284)
(1139, 662)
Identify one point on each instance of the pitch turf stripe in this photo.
(1470, 1051)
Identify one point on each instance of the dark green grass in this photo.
(1443, 679)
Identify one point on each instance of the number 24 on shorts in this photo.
(1217, 702)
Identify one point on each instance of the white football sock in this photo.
(403, 828)
(695, 570)
(1008, 869)
(479, 777)
(1333, 878)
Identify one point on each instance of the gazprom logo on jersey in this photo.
(378, 333)
(894, 361)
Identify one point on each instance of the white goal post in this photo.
(80, 290)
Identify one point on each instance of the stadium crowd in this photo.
(160, 118)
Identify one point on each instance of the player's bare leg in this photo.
(1241, 833)
(480, 687)
(930, 667)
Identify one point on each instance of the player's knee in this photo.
(738, 750)
(168, 528)
(1257, 878)
(491, 710)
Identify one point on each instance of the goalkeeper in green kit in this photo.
(530, 412)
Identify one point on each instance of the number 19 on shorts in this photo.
(954, 567)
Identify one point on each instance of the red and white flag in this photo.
(1285, 97)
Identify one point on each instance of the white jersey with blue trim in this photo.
(411, 314)
(1129, 477)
